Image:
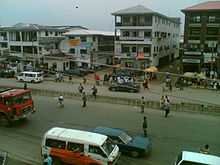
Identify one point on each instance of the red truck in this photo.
(15, 104)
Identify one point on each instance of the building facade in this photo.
(202, 37)
(88, 48)
(145, 38)
(32, 43)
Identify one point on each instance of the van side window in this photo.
(75, 147)
(55, 143)
(191, 163)
(96, 150)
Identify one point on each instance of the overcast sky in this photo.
(94, 14)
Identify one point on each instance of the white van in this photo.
(194, 158)
(78, 147)
(33, 77)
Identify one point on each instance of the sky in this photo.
(93, 14)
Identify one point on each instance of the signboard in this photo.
(194, 61)
(74, 42)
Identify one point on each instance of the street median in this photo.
(179, 107)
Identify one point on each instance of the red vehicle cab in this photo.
(15, 104)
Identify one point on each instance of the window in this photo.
(125, 49)
(94, 38)
(126, 34)
(212, 19)
(195, 19)
(72, 50)
(55, 143)
(195, 31)
(126, 19)
(46, 33)
(75, 147)
(83, 51)
(96, 150)
(134, 49)
(146, 50)
(147, 34)
(83, 39)
(56, 34)
(134, 34)
(116, 140)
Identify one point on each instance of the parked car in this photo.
(134, 146)
(76, 72)
(125, 87)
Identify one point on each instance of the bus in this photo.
(15, 104)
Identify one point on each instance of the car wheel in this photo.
(32, 81)
(134, 154)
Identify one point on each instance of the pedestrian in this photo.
(144, 126)
(84, 80)
(94, 91)
(57, 77)
(25, 85)
(142, 104)
(167, 106)
(48, 160)
(84, 99)
(146, 84)
(80, 88)
(205, 149)
(105, 78)
(70, 78)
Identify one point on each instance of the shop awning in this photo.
(151, 69)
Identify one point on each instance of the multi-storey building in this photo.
(145, 37)
(33, 43)
(201, 37)
(88, 47)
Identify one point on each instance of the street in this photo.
(169, 135)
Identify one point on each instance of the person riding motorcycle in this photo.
(60, 100)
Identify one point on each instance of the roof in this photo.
(200, 158)
(74, 135)
(79, 32)
(108, 131)
(210, 5)
(12, 92)
(36, 27)
(140, 10)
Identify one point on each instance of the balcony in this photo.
(130, 55)
(192, 53)
(133, 40)
(3, 39)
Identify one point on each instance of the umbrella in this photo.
(151, 69)
(116, 66)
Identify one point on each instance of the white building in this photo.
(88, 47)
(33, 43)
(145, 37)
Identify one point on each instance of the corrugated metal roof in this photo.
(78, 32)
(210, 5)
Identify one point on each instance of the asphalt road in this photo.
(169, 135)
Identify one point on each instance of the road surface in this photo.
(169, 135)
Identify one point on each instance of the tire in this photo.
(32, 81)
(5, 121)
(134, 154)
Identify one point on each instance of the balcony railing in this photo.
(134, 24)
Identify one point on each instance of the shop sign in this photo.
(194, 61)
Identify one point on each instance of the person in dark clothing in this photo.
(25, 85)
(144, 126)
(94, 91)
(80, 88)
(84, 99)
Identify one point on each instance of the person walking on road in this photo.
(144, 126)
(167, 106)
(142, 104)
(80, 88)
(84, 99)
(94, 91)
